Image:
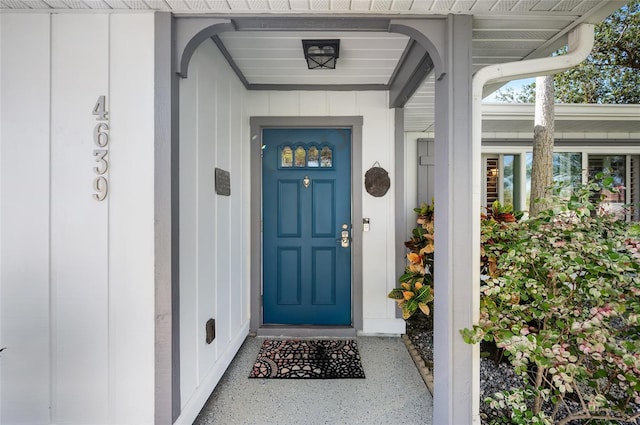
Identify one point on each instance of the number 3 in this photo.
(103, 164)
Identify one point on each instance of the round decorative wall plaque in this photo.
(376, 181)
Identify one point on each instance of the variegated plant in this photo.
(416, 284)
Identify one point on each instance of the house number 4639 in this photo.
(101, 139)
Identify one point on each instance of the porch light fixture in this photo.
(321, 53)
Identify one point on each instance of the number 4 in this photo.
(100, 109)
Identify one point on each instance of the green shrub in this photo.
(560, 294)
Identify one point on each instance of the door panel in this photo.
(306, 200)
(323, 276)
(323, 209)
(288, 209)
(288, 283)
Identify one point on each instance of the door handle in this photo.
(344, 237)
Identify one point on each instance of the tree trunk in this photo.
(542, 166)
(537, 400)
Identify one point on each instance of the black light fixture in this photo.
(321, 53)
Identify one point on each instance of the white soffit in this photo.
(276, 57)
(419, 7)
(503, 31)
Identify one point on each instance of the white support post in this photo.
(457, 215)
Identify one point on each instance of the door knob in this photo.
(345, 239)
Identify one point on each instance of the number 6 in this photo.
(101, 134)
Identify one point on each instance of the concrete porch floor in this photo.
(393, 392)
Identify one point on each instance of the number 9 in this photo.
(100, 185)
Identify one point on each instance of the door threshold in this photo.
(306, 331)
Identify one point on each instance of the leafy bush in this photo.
(416, 284)
(560, 295)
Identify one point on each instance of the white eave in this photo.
(503, 31)
(579, 111)
(572, 121)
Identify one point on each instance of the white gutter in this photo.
(580, 44)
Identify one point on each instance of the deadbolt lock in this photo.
(344, 240)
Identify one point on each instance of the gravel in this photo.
(494, 377)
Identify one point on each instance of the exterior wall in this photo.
(497, 144)
(77, 275)
(379, 276)
(412, 182)
(214, 229)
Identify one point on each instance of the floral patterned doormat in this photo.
(316, 359)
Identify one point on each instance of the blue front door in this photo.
(306, 198)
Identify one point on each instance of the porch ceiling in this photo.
(503, 31)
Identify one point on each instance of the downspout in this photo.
(580, 44)
(581, 41)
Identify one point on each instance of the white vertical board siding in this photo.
(79, 261)
(24, 218)
(284, 103)
(314, 103)
(239, 214)
(131, 226)
(343, 103)
(226, 146)
(258, 106)
(207, 213)
(214, 229)
(377, 145)
(411, 162)
(77, 275)
(378, 255)
(188, 155)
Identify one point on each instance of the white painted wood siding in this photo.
(379, 276)
(25, 365)
(214, 241)
(214, 229)
(77, 275)
(131, 220)
(79, 224)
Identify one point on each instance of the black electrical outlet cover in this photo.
(210, 330)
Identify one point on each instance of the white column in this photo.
(457, 204)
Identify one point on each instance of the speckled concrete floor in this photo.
(392, 392)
